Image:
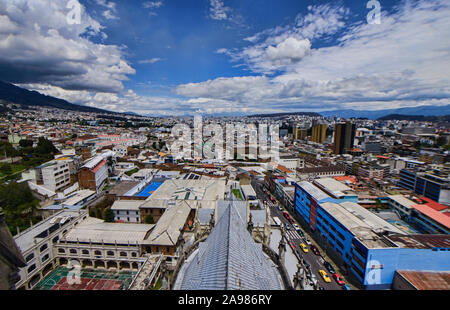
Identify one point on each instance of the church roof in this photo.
(230, 259)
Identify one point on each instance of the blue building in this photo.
(369, 247)
(426, 184)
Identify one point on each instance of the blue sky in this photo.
(229, 56)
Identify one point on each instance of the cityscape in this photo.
(254, 149)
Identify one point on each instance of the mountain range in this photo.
(428, 110)
(17, 95)
(14, 94)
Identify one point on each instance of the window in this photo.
(61, 251)
(97, 252)
(123, 254)
(110, 253)
(43, 248)
(45, 258)
(85, 252)
(73, 251)
(31, 268)
(55, 239)
(29, 257)
(133, 254)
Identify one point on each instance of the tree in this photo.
(5, 168)
(109, 216)
(25, 143)
(45, 146)
(441, 141)
(149, 219)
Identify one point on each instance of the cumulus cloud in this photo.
(402, 62)
(37, 45)
(218, 10)
(152, 4)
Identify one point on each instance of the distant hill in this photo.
(429, 110)
(285, 114)
(17, 95)
(400, 117)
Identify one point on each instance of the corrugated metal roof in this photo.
(425, 280)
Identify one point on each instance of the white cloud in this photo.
(402, 62)
(218, 10)
(110, 9)
(37, 45)
(150, 61)
(152, 4)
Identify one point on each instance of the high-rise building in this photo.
(344, 134)
(319, 133)
(300, 133)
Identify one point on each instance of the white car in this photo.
(295, 226)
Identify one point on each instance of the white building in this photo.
(54, 175)
(127, 211)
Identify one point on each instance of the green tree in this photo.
(45, 146)
(25, 143)
(441, 141)
(109, 216)
(149, 219)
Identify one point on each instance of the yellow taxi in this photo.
(304, 248)
(324, 276)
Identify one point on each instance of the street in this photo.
(294, 240)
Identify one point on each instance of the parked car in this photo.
(286, 215)
(346, 287)
(304, 248)
(314, 249)
(295, 226)
(291, 220)
(329, 267)
(300, 232)
(308, 242)
(324, 276)
(338, 279)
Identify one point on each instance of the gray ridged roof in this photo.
(229, 259)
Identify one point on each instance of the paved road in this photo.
(294, 240)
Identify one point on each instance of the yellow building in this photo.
(319, 133)
(300, 133)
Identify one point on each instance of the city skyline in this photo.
(170, 58)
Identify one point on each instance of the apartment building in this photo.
(54, 175)
(93, 174)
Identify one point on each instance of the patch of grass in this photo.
(237, 194)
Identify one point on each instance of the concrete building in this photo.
(53, 175)
(344, 135)
(426, 184)
(37, 245)
(370, 248)
(127, 211)
(319, 133)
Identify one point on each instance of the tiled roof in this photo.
(229, 259)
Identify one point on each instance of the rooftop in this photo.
(421, 241)
(96, 230)
(168, 227)
(313, 190)
(334, 187)
(360, 222)
(181, 189)
(427, 280)
(126, 205)
(25, 240)
(229, 259)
